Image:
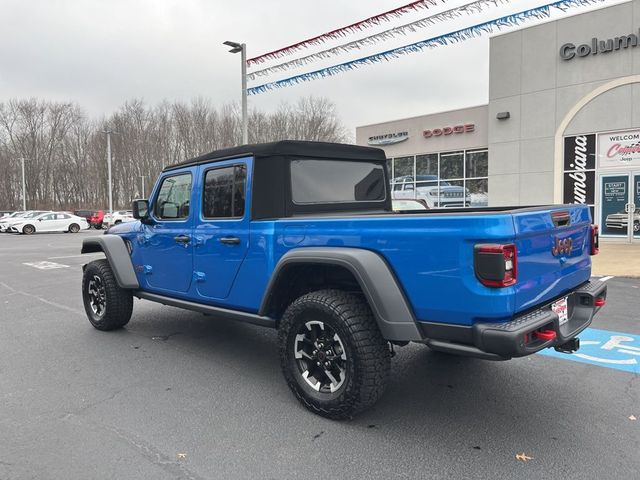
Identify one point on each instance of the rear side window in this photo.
(224, 192)
(336, 181)
(173, 198)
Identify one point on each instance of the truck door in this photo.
(221, 233)
(166, 244)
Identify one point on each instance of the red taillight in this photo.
(595, 240)
(496, 265)
(600, 301)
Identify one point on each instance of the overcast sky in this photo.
(100, 53)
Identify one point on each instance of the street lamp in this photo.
(109, 132)
(242, 49)
(24, 187)
(142, 177)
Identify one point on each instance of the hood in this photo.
(125, 227)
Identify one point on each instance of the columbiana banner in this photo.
(619, 149)
(579, 169)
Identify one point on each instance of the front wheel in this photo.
(28, 229)
(332, 353)
(108, 306)
(74, 228)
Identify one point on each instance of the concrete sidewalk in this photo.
(619, 259)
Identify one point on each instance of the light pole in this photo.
(109, 132)
(242, 49)
(24, 187)
(142, 185)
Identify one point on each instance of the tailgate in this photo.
(553, 245)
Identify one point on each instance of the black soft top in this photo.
(271, 189)
(297, 148)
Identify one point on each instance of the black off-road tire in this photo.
(368, 358)
(28, 229)
(118, 302)
(74, 228)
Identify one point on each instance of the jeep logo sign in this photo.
(569, 50)
(438, 132)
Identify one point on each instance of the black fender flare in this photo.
(383, 292)
(117, 254)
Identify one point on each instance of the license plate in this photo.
(561, 309)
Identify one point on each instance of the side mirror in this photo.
(140, 210)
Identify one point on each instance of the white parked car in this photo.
(120, 216)
(15, 217)
(50, 222)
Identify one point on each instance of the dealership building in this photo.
(562, 125)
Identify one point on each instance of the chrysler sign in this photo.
(596, 46)
(388, 138)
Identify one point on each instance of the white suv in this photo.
(120, 216)
(425, 187)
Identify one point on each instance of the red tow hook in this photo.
(545, 335)
(599, 302)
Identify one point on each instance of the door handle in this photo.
(230, 240)
(182, 239)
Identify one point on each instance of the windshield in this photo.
(33, 214)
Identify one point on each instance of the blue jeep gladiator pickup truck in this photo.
(301, 236)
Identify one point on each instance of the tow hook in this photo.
(568, 347)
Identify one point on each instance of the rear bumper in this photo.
(518, 337)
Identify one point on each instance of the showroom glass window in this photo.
(224, 192)
(446, 179)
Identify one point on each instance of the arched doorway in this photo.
(611, 187)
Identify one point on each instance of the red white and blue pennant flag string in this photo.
(457, 36)
(343, 31)
(476, 6)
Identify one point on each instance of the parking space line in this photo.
(44, 265)
(75, 256)
(43, 300)
(604, 279)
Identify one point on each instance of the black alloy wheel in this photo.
(107, 306)
(320, 356)
(332, 353)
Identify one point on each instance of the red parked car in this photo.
(94, 218)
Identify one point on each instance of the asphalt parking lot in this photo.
(177, 395)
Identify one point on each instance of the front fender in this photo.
(117, 254)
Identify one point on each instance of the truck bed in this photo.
(432, 255)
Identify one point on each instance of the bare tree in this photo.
(65, 152)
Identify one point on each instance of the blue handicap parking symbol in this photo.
(606, 349)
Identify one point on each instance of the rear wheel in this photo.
(108, 306)
(74, 228)
(332, 353)
(28, 229)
